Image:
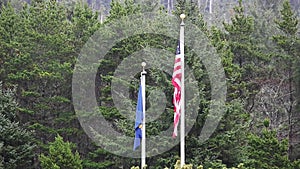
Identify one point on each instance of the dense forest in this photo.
(69, 79)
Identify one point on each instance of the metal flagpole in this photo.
(143, 83)
(210, 6)
(182, 114)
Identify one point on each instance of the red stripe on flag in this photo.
(176, 81)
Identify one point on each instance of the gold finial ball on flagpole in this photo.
(182, 16)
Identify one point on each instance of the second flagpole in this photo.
(182, 119)
(143, 83)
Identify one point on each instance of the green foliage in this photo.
(85, 23)
(214, 165)
(226, 144)
(38, 49)
(190, 9)
(247, 54)
(118, 10)
(39, 45)
(93, 162)
(265, 151)
(289, 42)
(266, 123)
(289, 21)
(16, 143)
(60, 156)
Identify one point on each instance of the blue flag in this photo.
(138, 120)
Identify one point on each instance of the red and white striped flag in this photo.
(176, 81)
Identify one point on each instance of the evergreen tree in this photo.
(60, 156)
(265, 151)
(247, 53)
(38, 49)
(17, 147)
(225, 144)
(289, 42)
(155, 78)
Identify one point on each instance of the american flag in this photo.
(176, 81)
